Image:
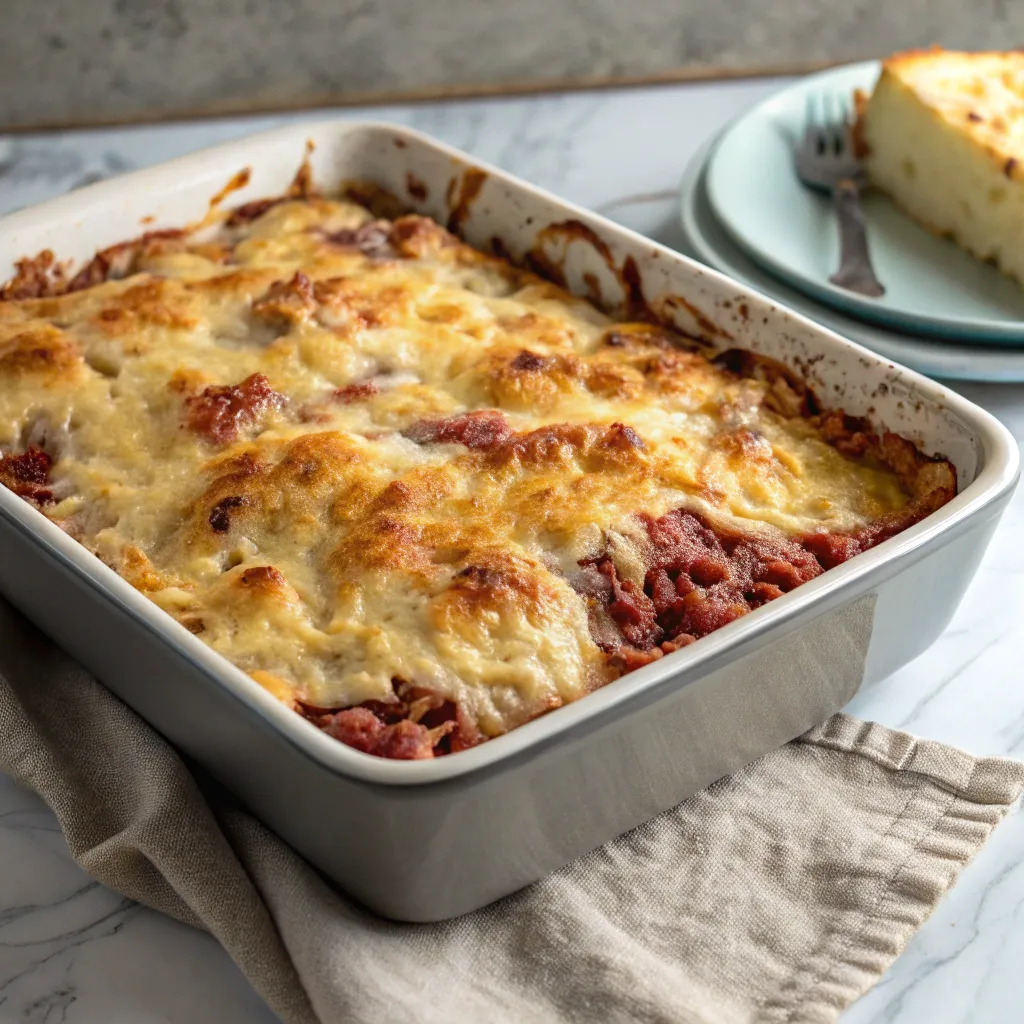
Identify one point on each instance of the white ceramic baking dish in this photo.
(428, 840)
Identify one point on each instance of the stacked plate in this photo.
(745, 213)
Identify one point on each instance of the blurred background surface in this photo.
(86, 62)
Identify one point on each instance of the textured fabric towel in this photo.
(777, 895)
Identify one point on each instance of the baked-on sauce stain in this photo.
(540, 258)
(415, 187)
(462, 193)
(234, 184)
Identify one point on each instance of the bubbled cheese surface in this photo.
(325, 545)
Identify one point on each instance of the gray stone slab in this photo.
(94, 61)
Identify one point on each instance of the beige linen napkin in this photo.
(777, 895)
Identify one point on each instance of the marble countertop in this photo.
(73, 951)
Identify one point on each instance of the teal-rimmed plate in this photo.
(933, 287)
(708, 242)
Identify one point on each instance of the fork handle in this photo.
(855, 272)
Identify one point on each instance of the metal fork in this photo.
(825, 161)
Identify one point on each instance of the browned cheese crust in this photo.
(419, 494)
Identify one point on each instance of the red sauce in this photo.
(237, 182)
(252, 211)
(356, 392)
(415, 187)
(36, 277)
(220, 412)
(417, 724)
(630, 609)
(372, 239)
(462, 194)
(698, 579)
(362, 729)
(27, 475)
(118, 261)
(483, 430)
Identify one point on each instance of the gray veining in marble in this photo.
(72, 951)
(88, 61)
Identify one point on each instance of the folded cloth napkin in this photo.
(779, 894)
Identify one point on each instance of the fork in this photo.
(826, 162)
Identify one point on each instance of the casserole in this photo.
(426, 841)
(419, 494)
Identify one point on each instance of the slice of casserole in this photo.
(419, 494)
(943, 135)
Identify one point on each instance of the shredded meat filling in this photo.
(699, 579)
(357, 392)
(252, 211)
(220, 413)
(372, 240)
(120, 260)
(286, 302)
(36, 277)
(28, 475)
(417, 724)
(483, 430)
(362, 729)
(630, 608)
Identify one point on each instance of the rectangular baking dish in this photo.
(423, 841)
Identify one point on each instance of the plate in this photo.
(932, 286)
(709, 243)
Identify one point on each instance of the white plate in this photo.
(932, 286)
(709, 243)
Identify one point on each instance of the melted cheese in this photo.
(316, 542)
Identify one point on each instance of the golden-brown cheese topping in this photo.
(347, 452)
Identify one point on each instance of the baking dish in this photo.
(428, 840)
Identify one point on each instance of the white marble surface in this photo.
(71, 950)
